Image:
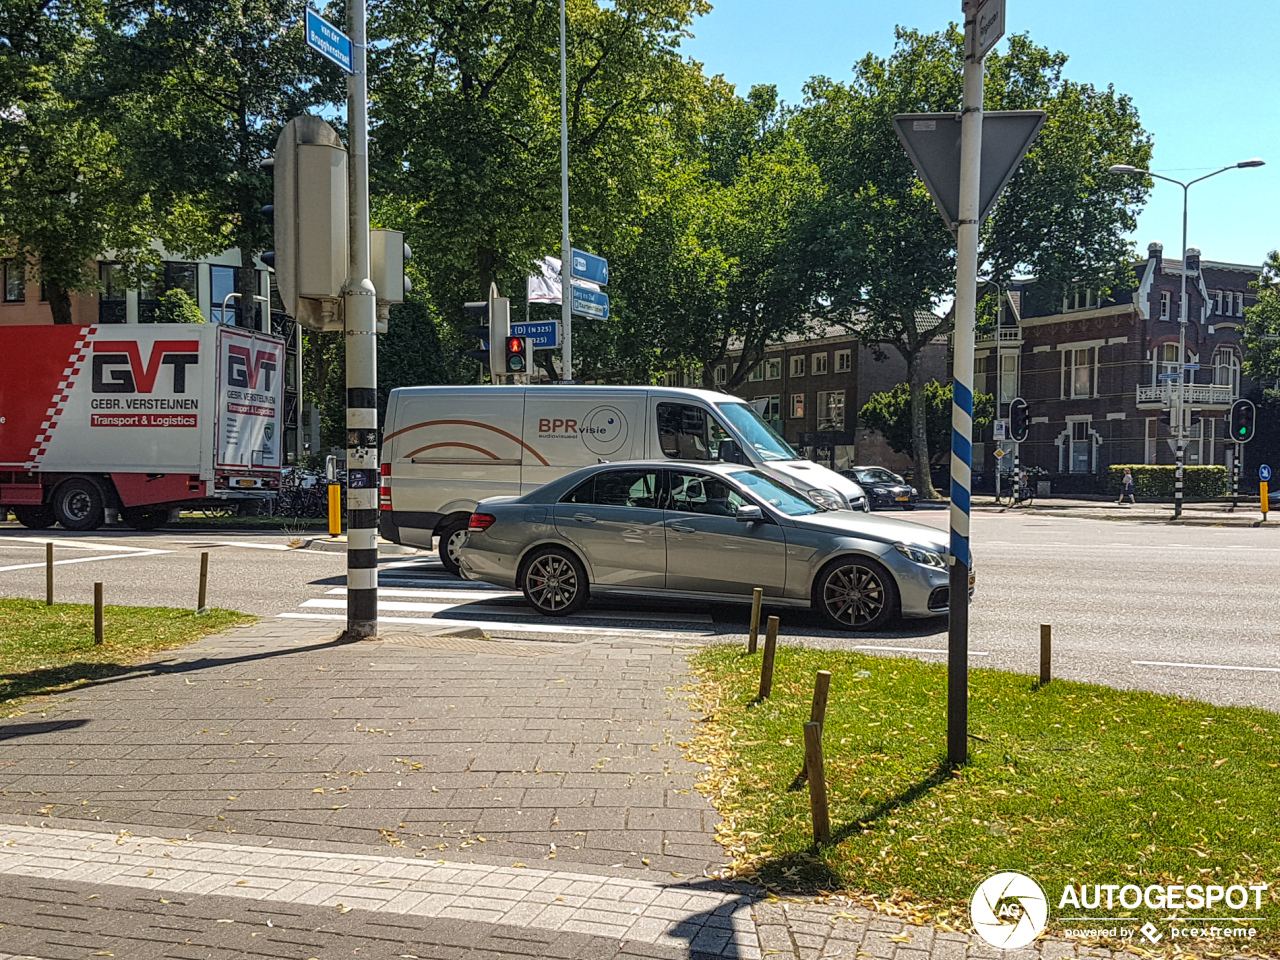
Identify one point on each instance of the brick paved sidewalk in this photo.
(270, 792)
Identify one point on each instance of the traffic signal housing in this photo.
(388, 254)
(1019, 420)
(495, 335)
(518, 355)
(1243, 414)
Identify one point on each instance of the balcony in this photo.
(1007, 336)
(1194, 394)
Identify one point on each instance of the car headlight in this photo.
(879, 490)
(915, 492)
(921, 555)
(828, 499)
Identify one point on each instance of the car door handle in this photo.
(681, 528)
(583, 518)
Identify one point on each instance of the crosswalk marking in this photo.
(458, 594)
(480, 609)
(499, 625)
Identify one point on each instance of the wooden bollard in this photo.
(48, 574)
(770, 651)
(203, 595)
(818, 712)
(1046, 652)
(817, 783)
(757, 597)
(97, 614)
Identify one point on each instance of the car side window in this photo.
(686, 432)
(618, 488)
(704, 494)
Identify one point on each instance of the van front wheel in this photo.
(451, 535)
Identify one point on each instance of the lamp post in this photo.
(222, 316)
(1179, 410)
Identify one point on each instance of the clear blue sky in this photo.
(1203, 77)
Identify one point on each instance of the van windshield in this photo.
(757, 434)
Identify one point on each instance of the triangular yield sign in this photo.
(932, 141)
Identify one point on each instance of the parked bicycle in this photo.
(1015, 490)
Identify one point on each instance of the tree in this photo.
(886, 256)
(891, 414)
(1261, 335)
(176, 306)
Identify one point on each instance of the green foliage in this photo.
(1261, 335)
(1157, 483)
(890, 413)
(176, 306)
(1060, 779)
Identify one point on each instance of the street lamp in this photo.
(222, 316)
(1124, 168)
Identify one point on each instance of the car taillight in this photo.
(481, 521)
(384, 487)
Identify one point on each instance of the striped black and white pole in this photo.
(1177, 476)
(361, 315)
(962, 399)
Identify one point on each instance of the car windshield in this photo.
(756, 432)
(878, 475)
(776, 493)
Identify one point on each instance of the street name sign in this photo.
(932, 141)
(328, 41)
(542, 335)
(590, 303)
(587, 266)
(990, 27)
(1170, 376)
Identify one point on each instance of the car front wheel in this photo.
(555, 582)
(452, 536)
(855, 593)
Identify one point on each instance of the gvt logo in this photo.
(245, 368)
(118, 366)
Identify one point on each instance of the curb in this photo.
(339, 545)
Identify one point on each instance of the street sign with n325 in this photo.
(587, 266)
(328, 41)
(543, 335)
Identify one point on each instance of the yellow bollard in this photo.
(335, 509)
(1265, 505)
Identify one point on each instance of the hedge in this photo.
(1156, 483)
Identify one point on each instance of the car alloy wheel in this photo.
(856, 594)
(452, 537)
(555, 582)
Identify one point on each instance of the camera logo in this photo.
(1009, 909)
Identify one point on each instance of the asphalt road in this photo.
(1185, 610)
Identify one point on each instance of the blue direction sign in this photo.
(1264, 472)
(590, 303)
(328, 41)
(587, 266)
(541, 336)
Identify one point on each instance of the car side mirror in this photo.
(749, 513)
(731, 452)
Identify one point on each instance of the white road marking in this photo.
(442, 594)
(39, 542)
(1203, 666)
(401, 606)
(110, 556)
(494, 625)
(867, 646)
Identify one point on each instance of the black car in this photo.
(884, 487)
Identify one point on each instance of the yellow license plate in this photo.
(904, 498)
(246, 483)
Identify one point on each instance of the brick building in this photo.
(1090, 369)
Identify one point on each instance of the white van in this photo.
(447, 448)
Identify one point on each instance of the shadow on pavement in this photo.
(16, 731)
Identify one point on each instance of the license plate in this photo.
(246, 482)
(904, 499)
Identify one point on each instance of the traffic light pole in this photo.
(361, 313)
(566, 247)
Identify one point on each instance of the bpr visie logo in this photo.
(603, 430)
(1009, 909)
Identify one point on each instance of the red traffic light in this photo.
(515, 346)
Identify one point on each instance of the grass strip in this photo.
(46, 650)
(1071, 783)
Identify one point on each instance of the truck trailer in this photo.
(136, 418)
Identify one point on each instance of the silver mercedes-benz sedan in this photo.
(704, 531)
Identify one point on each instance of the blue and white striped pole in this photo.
(962, 398)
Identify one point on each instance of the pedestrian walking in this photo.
(1126, 487)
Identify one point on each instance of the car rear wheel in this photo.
(452, 535)
(78, 505)
(35, 517)
(555, 582)
(855, 593)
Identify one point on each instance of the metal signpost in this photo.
(965, 166)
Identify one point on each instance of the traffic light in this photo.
(1019, 420)
(1242, 417)
(497, 310)
(310, 215)
(517, 355)
(388, 254)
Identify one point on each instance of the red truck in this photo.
(137, 418)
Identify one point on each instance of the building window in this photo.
(797, 406)
(722, 375)
(1165, 303)
(1008, 378)
(831, 410)
(222, 281)
(1167, 362)
(1081, 449)
(1216, 297)
(773, 369)
(1239, 304)
(756, 374)
(1079, 299)
(772, 408)
(844, 361)
(1226, 369)
(797, 366)
(1077, 373)
(15, 281)
(819, 364)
